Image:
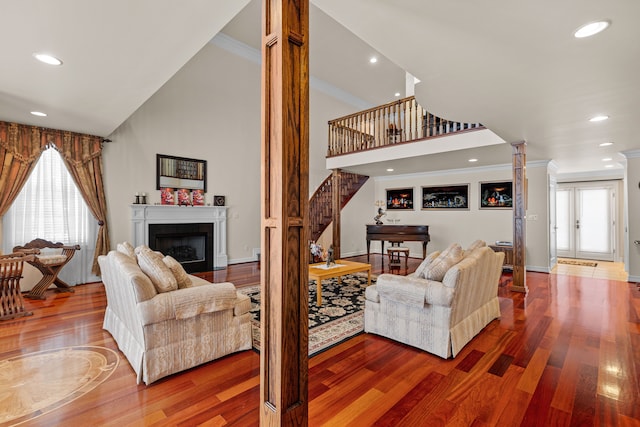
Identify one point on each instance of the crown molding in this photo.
(236, 47)
(631, 154)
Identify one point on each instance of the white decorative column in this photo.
(143, 215)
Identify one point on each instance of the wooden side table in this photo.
(508, 255)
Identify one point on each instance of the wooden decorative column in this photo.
(519, 216)
(284, 213)
(335, 209)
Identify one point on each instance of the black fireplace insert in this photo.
(191, 244)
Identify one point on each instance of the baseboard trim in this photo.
(537, 269)
(242, 260)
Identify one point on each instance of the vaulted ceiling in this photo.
(513, 66)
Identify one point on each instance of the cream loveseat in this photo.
(175, 321)
(450, 298)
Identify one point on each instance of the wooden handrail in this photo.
(393, 123)
(320, 204)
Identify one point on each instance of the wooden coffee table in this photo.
(319, 272)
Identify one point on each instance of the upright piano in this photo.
(398, 233)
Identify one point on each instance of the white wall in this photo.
(209, 110)
(447, 226)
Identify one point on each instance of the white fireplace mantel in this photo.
(143, 215)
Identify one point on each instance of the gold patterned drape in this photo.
(83, 156)
(20, 148)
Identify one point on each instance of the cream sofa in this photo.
(438, 316)
(165, 332)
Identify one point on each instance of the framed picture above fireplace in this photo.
(180, 172)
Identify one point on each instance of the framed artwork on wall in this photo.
(400, 199)
(181, 172)
(445, 197)
(496, 195)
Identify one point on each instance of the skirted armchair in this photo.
(164, 328)
(450, 298)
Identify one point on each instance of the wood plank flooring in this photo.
(566, 354)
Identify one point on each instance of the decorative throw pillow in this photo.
(425, 264)
(447, 259)
(152, 265)
(475, 245)
(140, 248)
(183, 279)
(127, 249)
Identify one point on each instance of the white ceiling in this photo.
(513, 66)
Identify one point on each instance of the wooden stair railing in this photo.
(397, 122)
(320, 204)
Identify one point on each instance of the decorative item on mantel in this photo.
(197, 198)
(166, 196)
(141, 199)
(219, 200)
(184, 197)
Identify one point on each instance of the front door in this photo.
(584, 220)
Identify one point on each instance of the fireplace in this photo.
(181, 220)
(191, 244)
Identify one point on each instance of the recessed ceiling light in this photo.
(47, 59)
(397, 93)
(373, 59)
(39, 113)
(607, 159)
(608, 166)
(606, 144)
(598, 118)
(390, 170)
(473, 160)
(591, 29)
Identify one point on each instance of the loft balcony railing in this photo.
(397, 122)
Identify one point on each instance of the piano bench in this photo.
(395, 253)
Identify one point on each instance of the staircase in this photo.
(321, 203)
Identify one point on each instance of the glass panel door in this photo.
(584, 221)
(594, 237)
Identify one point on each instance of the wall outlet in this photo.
(532, 217)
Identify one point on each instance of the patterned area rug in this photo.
(340, 317)
(35, 383)
(578, 262)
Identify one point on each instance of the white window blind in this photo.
(51, 207)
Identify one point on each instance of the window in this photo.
(51, 207)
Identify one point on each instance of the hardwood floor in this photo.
(566, 354)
